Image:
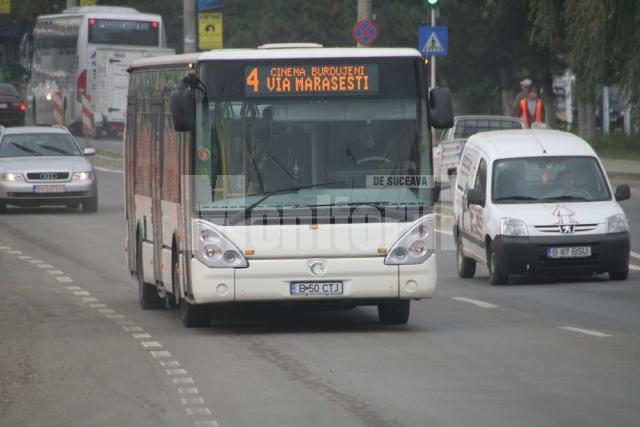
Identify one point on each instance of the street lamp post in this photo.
(433, 4)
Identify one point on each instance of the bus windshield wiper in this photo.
(26, 149)
(265, 196)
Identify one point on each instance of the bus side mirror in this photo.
(622, 192)
(183, 108)
(441, 107)
(436, 192)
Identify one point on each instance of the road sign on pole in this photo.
(365, 32)
(433, 41)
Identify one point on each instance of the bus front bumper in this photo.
(363, 280)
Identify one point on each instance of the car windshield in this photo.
(6, 89)
(38, 144)
(548, 179)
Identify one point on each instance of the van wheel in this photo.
(194, 316)
(619, 275)
(395, 312)
(466, 266)
(496, 276)
(147, 294)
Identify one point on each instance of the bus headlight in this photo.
(617, 224)
(414, 247)
(216, 251)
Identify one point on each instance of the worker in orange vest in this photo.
(530, 109)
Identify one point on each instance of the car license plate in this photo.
(315, 288)
(4, 106)
(58, 188)
(572, 252)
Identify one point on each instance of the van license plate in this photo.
(315, 288)
(573, 252)
(58, 188)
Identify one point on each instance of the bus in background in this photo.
(286, 175)
(86, 51)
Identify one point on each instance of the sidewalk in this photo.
(622, 169)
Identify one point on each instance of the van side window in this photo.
(481, 177)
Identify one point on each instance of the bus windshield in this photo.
(124, 32)
(304, 135)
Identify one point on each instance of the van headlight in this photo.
(215, 250)
(617, 224)
(83, 176)
(12, 177)
(414, 247)
(513, 227)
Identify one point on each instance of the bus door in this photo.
(130, 173)
(156, 182)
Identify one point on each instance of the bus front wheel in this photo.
(394, 312)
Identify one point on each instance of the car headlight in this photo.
(82, 176)
(513, 227)
(414, 247)
(215, 250)
(12, 177)
(617, 223)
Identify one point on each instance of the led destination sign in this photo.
(309, 80)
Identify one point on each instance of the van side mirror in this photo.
(441, 107)
(183, 109)
(475, 197)
(623, 192)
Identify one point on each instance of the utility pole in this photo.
(365, 8)
(433, 58)
(188, 25)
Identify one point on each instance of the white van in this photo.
(537, 202)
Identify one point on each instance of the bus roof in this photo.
(285, 53)
(113, 12)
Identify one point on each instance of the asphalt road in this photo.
(75, 348)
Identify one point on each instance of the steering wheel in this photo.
(372, 159)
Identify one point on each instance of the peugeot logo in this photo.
(49, 175)
(317, 267)
(567, 229)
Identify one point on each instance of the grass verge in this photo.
(618, 146)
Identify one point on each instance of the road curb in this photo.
(105, 162)
(624, 175)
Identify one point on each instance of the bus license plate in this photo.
(572, 252)
(58, 188)
(315, 288)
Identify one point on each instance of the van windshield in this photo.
(548, 179)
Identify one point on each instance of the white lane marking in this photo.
(73, 288)
(169, 363)
(141, 336)
(64, 279)
(188, 390)
(634, 267)
(177, 372)
(151, 344)
(585, 331)
(35, 261)
(105, 310)
(444, 232)
(182, 380)
(198, 411)
(115, 316)
(81, 293)
(90, 299)
(55, 272)
(212, 423)
(107, 170)
(24, 257)
(97, 305)
(14, 252)
(133, 328)
(475, 302)
(5, 248)
(192, 400)
(634, 254)
(45, 265)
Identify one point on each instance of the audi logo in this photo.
(49, 175)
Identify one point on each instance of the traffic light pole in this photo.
(433, 58)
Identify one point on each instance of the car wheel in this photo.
(194, 316)
(466, 266)
(147, 294)
(90, 205)
(619, 275)
(496, 276)
(395, 312)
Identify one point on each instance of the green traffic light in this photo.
(432, 2)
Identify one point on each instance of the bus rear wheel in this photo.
(194, 316)
(394, 312)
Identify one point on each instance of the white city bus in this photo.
(251, 176)
(86, 51)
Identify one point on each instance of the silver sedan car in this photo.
(45, 166)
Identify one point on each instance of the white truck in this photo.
(446, 154)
